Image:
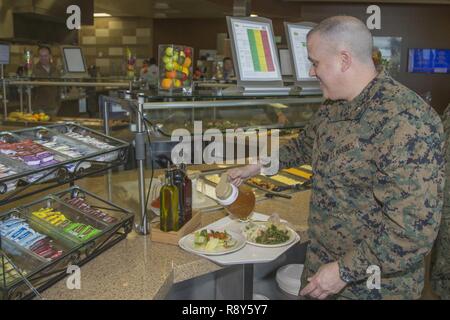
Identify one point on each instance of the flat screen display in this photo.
(74, 60)
(257, 57)
(4, 53)
(429, 60)
(297, 36)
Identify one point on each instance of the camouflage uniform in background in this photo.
(440, 259)
(377, 188)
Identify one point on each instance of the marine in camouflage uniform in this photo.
(377, 188)
(440, 260)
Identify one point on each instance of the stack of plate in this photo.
(257, 296)
(288, 278)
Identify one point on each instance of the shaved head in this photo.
(346, 33)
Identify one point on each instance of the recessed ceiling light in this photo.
(172, 11)
(160, 15)
(101, 15)
(161, 5)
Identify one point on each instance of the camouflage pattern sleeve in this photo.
(408, 185)
(299, 150)
(440, 259)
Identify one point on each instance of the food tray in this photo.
(45, 136)
(267, 184)
(106, 145)
(173, 237)
(92, 160)
(42, 273)
(208, 182)
(299, 173)
(69, 212)
(22, 167)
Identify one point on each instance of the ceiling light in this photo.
(160, 15)
(161, 5)
(253, 15)
(101, 15)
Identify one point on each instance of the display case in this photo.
(196, 114)
(40, 240)
(285, 113)
(52, 155)
(76, 96)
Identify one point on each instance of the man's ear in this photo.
(346, 60)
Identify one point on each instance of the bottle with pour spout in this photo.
(169, 208)
(239, 202)
(184, 186)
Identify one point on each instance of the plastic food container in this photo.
(175, 68)
(288, 278)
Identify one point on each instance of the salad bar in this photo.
(41, 239)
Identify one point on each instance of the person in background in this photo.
(228, 69)
(149, 71)
(46, 99)
(201, 69)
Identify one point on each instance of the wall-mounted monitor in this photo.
(74, 62)
(429, 60)
(254, 50)
(4, 53)
(296, 34)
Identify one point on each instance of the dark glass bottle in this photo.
(178, 182)
(169, 208)
(187, 194)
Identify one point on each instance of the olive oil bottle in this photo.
(169, 208)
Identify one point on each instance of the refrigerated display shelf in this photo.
(54, 155)
(26, 271)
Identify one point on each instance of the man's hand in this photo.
(325, 282)
(238, 175)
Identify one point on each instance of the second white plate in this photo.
(187, 243)
(292, 237)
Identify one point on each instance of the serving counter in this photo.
(137, 268)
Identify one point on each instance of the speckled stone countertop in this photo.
(136, 267)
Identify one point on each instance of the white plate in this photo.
(248, 254)
(156, 211)
(187, 243)
(292, 237)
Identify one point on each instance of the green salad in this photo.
(267, 233)
(210, 240)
